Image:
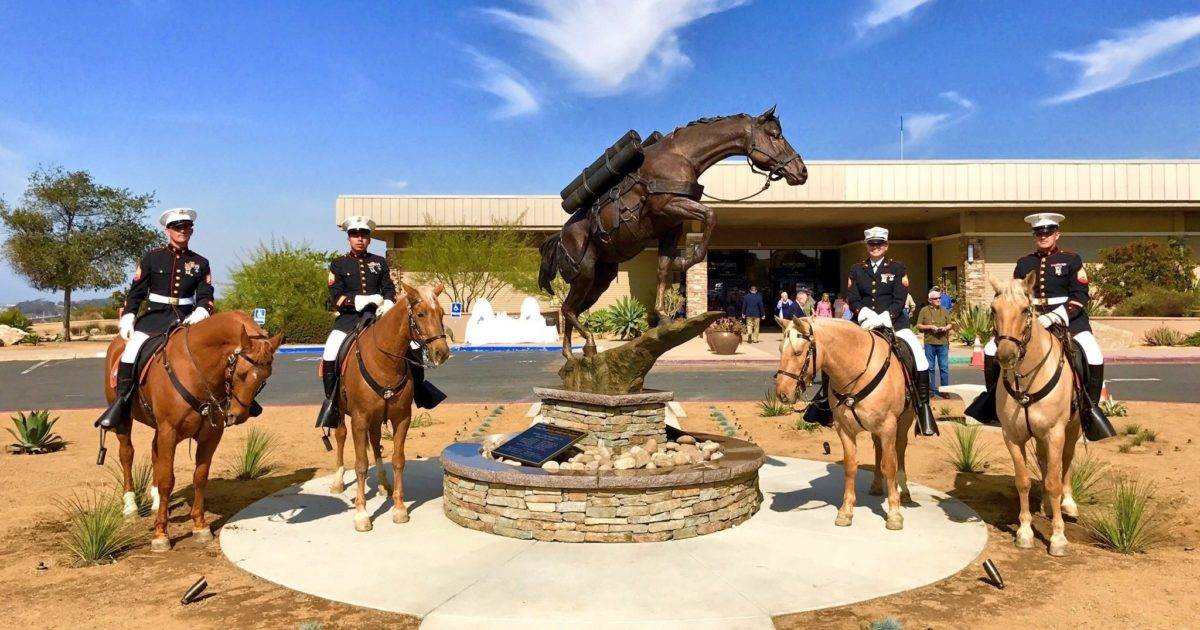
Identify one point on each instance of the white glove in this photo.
(883, 320)
(384, 308)
(866, 316)
(197, 316)
(125, 327)
(362, 301)
(1057, 316)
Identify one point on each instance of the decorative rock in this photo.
(650, 446)
(686, 439)
(715, 456)
(681, 458)
(624, 463)
(709, 446)
(550, 466)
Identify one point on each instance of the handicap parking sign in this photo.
(456, 309)
(260, 316)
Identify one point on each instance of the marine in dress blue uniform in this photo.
(176, 285)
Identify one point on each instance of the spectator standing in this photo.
(754, 311)
(785, 308)
(839, 308)
(934, 321)
(947, 302)
(824, 308)
(804, 304)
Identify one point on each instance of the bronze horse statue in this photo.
(653, 204)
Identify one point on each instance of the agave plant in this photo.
(972, 321)
(627, 318)
(770, 406)
(35, 433)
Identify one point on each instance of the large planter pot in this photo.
(724, 342)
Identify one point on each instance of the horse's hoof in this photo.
(160, 544)
(202, 536)
(362, 524)
(875, 491)
(1023, 542)
(843, 520)
(905, 496)
(337, 488)
(1058, 550)
(399, 517)
(895, 522)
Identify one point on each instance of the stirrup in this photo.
(1096, 426)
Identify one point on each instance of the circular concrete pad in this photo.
(788, 558)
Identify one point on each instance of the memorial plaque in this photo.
(539, 444)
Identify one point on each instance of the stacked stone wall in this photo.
(620, 426)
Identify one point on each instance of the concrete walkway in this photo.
(788, 558)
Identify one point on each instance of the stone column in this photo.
(697, 280)
(973, 273)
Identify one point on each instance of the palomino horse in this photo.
(1035, 402)
(662, 197)
(376, 386)
(867, 393)
(222, 363)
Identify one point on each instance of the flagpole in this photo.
(902, 138)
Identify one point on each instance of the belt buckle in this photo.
(173, 301)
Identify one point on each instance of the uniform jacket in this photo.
(884, 290)
(1061, 280)
(351, 275)
(174, 274)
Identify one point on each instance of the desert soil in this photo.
(1091, 586)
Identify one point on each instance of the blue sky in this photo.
(259, 114)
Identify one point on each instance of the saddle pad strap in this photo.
(691, 190)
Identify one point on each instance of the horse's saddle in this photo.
(1075, 357)
(425, 394)
(903, 352)
(141, 365)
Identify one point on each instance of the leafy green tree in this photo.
(291, 282)
(1124, 270)
(473, 264)
(70, 233)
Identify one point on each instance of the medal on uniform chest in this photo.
(191, 268)
(1060, 269)
(887, 277)
(374, 266)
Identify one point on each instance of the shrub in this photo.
(597, 321)
(35, 434)
(627, 318)
(770, 406)
(1129, 524)
(1157, 302)
(673, 299)
(254, 460)
(885, 624)
(15, 318)
(1114, 408)
(1192, 339)
(808, 427)
(1132, 428)
(728, 324)
(1162, 336)
(96, 528)
(1148, 435)
(306, 326)
(1087, 473)
(965, 452)
(971, 322)
(1125, 270)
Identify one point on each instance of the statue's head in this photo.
(771, 152)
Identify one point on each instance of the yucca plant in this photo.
(143, 478)
(971, 321)
(770, 406)
(1132, 428)
(965, 452)
(254, 460)
(1163, 336)
(1087, 473)
(1130, 523)
(96, 528)
(627, 318)
(1114, 408)
(35, 433)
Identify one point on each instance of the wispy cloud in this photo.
(607, 46)
(884, 11)
(921, 126)
(396, 184)
(504, 82)
(1147, 51)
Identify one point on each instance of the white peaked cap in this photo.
(1042, 219)
(177, 214)
(875, 233)
(357, 222)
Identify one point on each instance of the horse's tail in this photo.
(546, 272)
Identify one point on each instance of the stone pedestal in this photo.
(619, 420)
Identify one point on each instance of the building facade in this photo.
(951, 222)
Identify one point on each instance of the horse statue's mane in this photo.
(706, 120)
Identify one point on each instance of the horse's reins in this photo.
(1023, 397)
(777, 165)
(386, 392)
(206, 408)
(849, 400)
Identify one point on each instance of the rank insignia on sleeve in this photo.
(1082, 276)
(849, 283)
(904, 280)
(137, 273)
(331, 278)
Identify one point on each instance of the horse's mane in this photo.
(1013, 289)
(706, 120)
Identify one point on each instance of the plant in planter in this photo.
(725, 335)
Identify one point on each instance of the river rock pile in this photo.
(650, 455)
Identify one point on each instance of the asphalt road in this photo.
(510, 376)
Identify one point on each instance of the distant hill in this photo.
(43, 308)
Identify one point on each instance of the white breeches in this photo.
(1087, 341)
(132, 346)
(332, 344)
(914, 344)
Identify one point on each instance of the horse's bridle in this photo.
(1022, 395)
(810, 359)
(777, 164)
(213, 404)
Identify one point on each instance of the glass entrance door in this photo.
(731, 273)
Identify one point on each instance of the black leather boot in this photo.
(818, 410)
(117, 414)
(926, 424)
(425, 395)
(1096, 426)
(983, 408)
(330, 416)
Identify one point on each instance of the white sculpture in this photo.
(488, 327)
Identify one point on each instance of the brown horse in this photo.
(1034, 370)
(382, 350)
(852, 359)
(665, 187)
(223, 362)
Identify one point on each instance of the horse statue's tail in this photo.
(546, 272)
